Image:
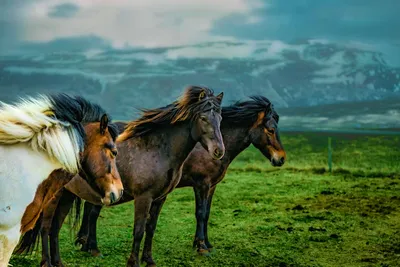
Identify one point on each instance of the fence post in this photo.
(330, 154)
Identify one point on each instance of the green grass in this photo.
(298, 215)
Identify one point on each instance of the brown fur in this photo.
(44, 193)
(194, 99)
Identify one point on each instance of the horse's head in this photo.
(206, 123)
(264, 135)
(98, 160)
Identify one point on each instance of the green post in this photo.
(330, 154)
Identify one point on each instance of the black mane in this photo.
(77, 110)
(246, 112)
(183, 109)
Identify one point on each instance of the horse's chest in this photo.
(219, 175)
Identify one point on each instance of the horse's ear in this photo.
(103, 123)
(220, 96)
(202, 95)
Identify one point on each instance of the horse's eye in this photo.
(203, 118)
(114, 152)
(271, 131)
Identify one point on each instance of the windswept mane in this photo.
(193, 100)
(246, 112)
(50, 123)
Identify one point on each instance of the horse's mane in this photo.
(51, 123)
(246, 112)
(193, 100)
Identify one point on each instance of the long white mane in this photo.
(33, 121)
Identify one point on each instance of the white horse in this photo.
(37, 136)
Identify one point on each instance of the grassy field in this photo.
(298, 215)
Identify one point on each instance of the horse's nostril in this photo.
(217, 153)
(282, 160)
(112, 197)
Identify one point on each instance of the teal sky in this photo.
(102, 24)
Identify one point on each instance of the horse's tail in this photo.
(76, 212)
(30, 239)
(74, 216)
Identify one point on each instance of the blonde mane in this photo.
(50, 124)
(32, 121)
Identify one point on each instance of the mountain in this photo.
(302, 74)
(367, 115)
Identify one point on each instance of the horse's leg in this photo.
(209, 202)
(91, 243)
(45, 262)
(61, 213)
(201, 193)
(8, 241)
(83, 233)
(46, 223)
(150, 229)
(142, 207)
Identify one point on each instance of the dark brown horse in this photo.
(152, 151)
(244, 123)
(100, 172)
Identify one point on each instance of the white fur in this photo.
(28, 122)
(32, 145)
(21, 171)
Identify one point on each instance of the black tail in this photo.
(75, 215)
(29, 242)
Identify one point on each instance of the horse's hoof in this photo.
(149, 261)
(96, 253)
(203, 252)
(81, 241)
(132, 263)
(211, 249)
(208, 245)
(45, 264)
(84, 249)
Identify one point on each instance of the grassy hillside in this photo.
(298, 215)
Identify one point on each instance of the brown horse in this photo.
(98, 167)
(37, 136)
(244, 123)
(152, 151)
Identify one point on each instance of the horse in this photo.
(248, 122)
(43, 134)
(152, 151)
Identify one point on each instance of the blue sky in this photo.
(158, 23)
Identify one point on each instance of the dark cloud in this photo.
(362, 20)
(67, 44)
(67, 10)
(10, 24)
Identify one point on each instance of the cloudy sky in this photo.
(156, 23)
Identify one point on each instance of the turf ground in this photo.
(297, 215)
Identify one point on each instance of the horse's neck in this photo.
(178, 143)
(236, 139)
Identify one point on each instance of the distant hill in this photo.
(301, 79)
(366, 115)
